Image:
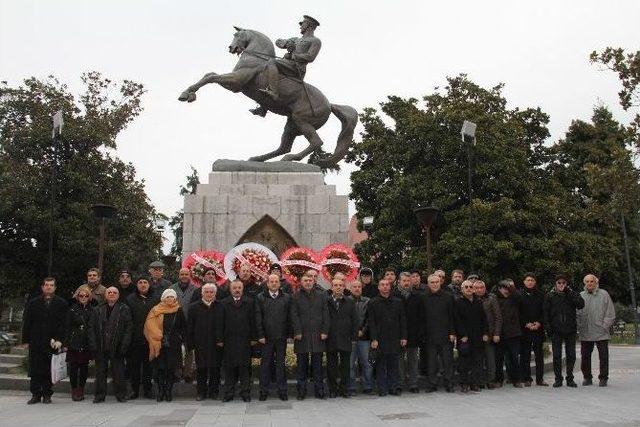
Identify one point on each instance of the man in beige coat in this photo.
(594, 322)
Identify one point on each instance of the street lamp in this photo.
(468, 133)
(56, 133)
(426, 216)
(102, 213)
(367, 223)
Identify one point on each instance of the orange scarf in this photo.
(154, 324)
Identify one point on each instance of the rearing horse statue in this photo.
(307, 110)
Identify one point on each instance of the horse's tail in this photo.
(348, 117)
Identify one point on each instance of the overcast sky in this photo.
(370, 49)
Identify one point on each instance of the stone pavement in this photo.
(616, 405)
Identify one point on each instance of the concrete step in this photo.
(20, 350)
(10, 368)
(12, 358)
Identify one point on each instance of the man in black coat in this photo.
(343, 332)
(388, 330)
(140, 302)
(414, 310)
(472, 332)
(532, 318)
(439, 333)
(273, 311)
(560, 308)
(509, 301)
(43, 326)
(109, 339)
(310, 322)
(369, 288)
(238, 336)
(205, 331)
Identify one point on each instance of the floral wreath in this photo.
(258, 257)
(339, 258)
(200, 261)
(296, 261)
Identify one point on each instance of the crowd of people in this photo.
(378, 335)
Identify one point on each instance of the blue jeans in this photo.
(360, 354)
(303, 372)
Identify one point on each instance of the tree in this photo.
(177, 220)
(87, 172)
(527, 212)
(594, 163)
(627, 65)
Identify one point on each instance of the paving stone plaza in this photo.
(614, 406)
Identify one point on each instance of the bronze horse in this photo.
(306, 110)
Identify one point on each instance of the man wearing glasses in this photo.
(560, 307)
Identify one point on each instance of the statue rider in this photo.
(300, 52)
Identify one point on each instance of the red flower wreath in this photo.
(200, 261)
(295, 262)
(339, 258)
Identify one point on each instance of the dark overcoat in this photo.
(111, 334)
(343, 324)
(239, 329)
(204, 332)
(439, 318)
(41, 323)
(387, 323)
(309, 318)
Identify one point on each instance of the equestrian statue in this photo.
(277, 85)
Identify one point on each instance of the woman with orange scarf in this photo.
(164, 330)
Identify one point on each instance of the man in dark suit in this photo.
(272, 324)
(43, 330)
(238, 336)
(388, 329)
(310, 321)
(109, 339)
(343, 333)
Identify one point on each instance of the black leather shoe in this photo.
(558, 383)
(284, 397)
(571, 383)
(133, 395)
(449, 389)
(263, 397)
(345, 395)
(98, 399)
(47, 399)
(333, 395)
(602, 383)
(121, 399)
(227, 399)
(431, 389)
(246, 398)
(33, 400)
(587, 382)
(213, 396)
(414, 390)
(200, 397)
(382, 393)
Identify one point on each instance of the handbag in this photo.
(58, 367)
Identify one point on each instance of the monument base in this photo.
(277, 204)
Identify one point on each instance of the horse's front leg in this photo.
(233, 81)
(189, 95)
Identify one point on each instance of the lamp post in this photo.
(426, 216)
(468, 133)
(56, 133)
(102, 213)
(632, 288)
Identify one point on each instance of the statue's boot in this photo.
(259, 111)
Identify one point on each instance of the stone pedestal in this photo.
(277, 206)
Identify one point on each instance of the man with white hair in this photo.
(594, 322)
(109, 339)
(204, 336)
